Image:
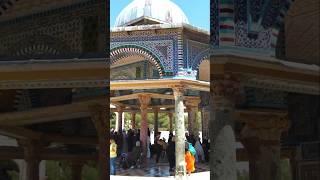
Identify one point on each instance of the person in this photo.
(113, 156)
(189, 159)
(200, 152)
(158, 147)
(135, 154)
(171, 153)
(148, 145)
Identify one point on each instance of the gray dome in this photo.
(163, 11)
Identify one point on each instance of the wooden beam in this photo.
(70, 139)
(11, 152)
(49, 114)
(152, 95)
(24, 133)
(19, 133)
(159, 84)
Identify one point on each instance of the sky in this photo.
(197, 11)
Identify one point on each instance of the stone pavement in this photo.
(160, 169)
(194, 176)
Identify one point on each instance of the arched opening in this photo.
(131, 63)
(203, 73)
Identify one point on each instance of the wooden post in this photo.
(133, 122)
(76, 168)
(99, 118)
(144, 102)
(192, 107)
(31, 151)
(171, 122)
(261, 138)
(156, 123)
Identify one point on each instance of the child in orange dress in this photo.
(190, 161)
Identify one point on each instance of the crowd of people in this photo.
(126, 148)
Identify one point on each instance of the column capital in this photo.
(192, 103)
(178, 90)
(156, 109)
(267, 126)
(225, 85)
(31, 149)
(144, 101)
(120, 108)
(99, 117)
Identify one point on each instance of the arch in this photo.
(203, 71)
(131, 50)
(205, 54)
(38, 47)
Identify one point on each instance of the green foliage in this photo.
(58, 170)
(243, 175)
(90, 172)
(112, 120)
(285, 170)
(14, 175)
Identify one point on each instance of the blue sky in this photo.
(197, 11)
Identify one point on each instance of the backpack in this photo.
(192, 149)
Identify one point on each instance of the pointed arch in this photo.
(130, 50)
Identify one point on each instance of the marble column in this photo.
(101, 123)
(120, 118)
(156, 121)
(31, 151)
(170, 122)
(190, 122)
(261, 138)
(144, 102)
(133, 120)
(222, 136)
(192, 107)
(180, 173)
(117, 122)
(76, 170)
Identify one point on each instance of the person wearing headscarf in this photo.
(200, 152)
(189, 159)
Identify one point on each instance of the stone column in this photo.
(133, 120)
(170, 122)
(192, 107)
(101, 122)
(178, 92)
(144, 102)
(261, 138)
(76, 170)
(190, 122)
(31, 151)
(117, 122)
(223, 142)
(120, 120)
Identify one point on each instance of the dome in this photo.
(161, 11)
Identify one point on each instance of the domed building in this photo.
(156, 57)
(149, 12)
